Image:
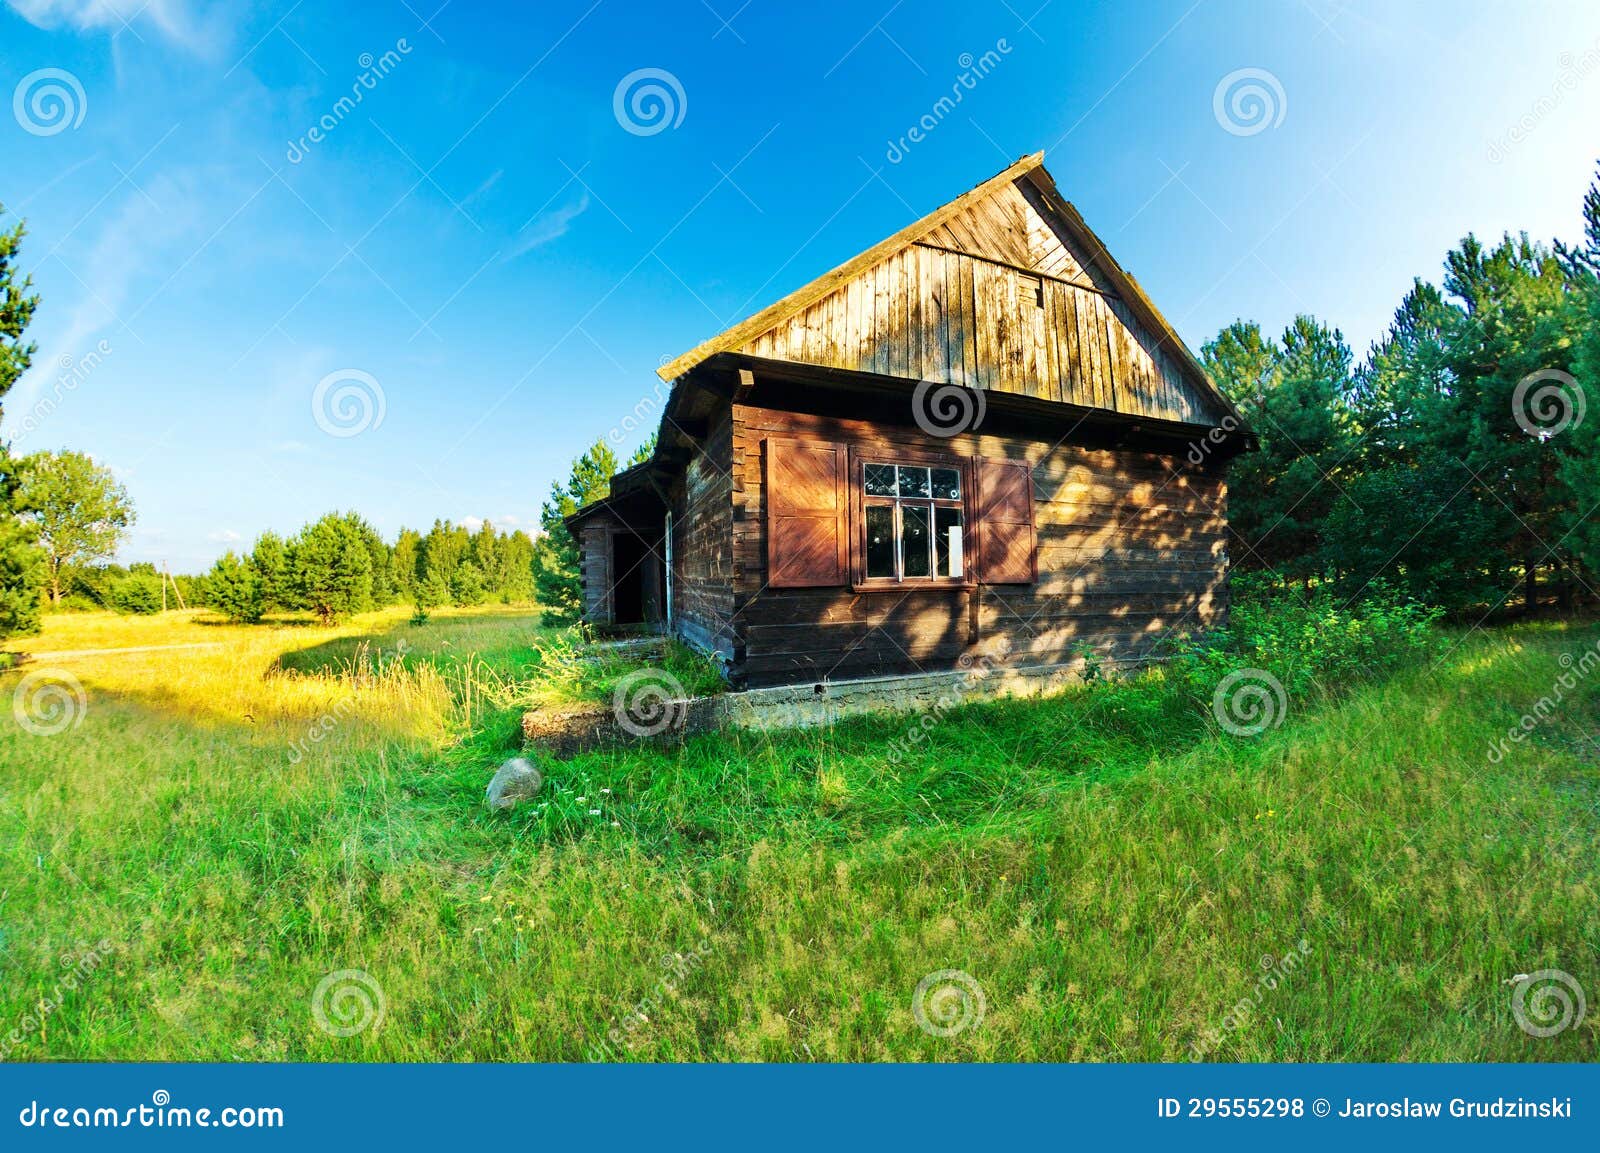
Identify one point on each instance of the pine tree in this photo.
(1294, 397)
(558, 584)
(405, 561)
(1517, 324)
(333, 568)
(274, 569)
(234, 590)
(1580, 464)
(22, 564)
(516, 556)
(469, 588)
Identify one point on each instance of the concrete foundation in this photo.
(797, 706)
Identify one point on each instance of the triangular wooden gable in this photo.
(1004, 288)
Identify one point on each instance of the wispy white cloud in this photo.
(503, 523)
(135, 240)
(546, 227)
(177, 20)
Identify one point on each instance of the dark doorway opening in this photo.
(634, 589)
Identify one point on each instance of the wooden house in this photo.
(977, 437)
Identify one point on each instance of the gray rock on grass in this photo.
(516, 780)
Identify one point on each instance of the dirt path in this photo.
(69, 654)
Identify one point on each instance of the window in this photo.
(914, 522)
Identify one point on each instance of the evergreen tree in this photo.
(1517, 326)
(234, 589)
(1580, 464)
(383, 582)
(557, 581)
(469, 588)
(431, 592)
(405, 561)
(485, 553)
(516, 556)
(443, 549)
(274, 569)
(22, 565)
(1295, 399)
(333, 568)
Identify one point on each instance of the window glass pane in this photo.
(880, 480)
(880, 540)
(947, 542)
(914, 533)
(914, 481)
(946, 484)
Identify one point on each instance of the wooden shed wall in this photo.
(1000, 298)
(702, 543)
(594, 562)
(1131, 545)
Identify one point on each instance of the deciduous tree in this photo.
(80, 509)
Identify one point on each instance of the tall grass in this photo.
(1111, 867)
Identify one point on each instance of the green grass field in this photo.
(224, 829)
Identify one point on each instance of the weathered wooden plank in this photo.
(937, 364)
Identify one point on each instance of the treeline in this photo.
(1457, 460)
(341, 565)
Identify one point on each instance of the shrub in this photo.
(137, 593)
(1312, 644)
(234, 590)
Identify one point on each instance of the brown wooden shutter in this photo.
(1005, 522)
(807, 514)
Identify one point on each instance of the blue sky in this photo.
(484, 243)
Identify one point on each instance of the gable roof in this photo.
(1103, 268)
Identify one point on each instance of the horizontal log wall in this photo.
(1131, 546)
(702, 544)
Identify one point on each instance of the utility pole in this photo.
(166, 576)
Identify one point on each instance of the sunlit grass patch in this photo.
(1110, 867)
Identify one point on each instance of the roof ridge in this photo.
(813, 291)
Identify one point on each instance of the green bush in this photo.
(1312, 643)
(137, 593)
(234, 590)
